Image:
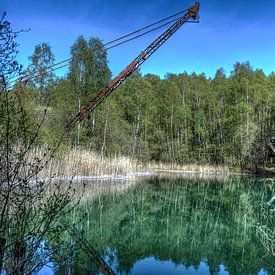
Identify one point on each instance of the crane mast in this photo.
(191, 13)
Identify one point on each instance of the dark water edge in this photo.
(180, 224)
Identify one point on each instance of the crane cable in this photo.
(26, 77)
(111, 47)
(45, 70)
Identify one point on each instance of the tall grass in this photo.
(85, 163)
(187, 167)
(80, 162)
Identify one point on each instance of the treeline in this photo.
(184, 118)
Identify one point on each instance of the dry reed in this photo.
(85, 163)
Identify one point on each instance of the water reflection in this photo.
(153, 266)
(174, 226)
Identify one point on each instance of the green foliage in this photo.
(42, 58)
(89, 70)
(180, 119)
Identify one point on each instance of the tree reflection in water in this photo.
(187, 222)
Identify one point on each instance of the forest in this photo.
(184, 118)
(181, 119)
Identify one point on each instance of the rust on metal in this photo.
(194, 10)
(143, 55)
(191, 13)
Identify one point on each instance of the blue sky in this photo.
(229, 31)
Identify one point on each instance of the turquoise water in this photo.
(175, 225)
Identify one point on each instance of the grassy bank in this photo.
(80, 162)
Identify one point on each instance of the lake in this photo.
(171, 224)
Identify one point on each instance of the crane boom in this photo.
(191, 13)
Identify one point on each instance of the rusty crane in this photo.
(190, 14)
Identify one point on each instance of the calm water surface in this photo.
(172, 225)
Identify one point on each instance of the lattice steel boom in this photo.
(191, 13)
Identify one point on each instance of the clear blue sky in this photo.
(229, 31)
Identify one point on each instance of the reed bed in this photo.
(155, 166)
(79, 162)
(85, 163)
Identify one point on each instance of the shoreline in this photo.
(77, 165)
(133, 176)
